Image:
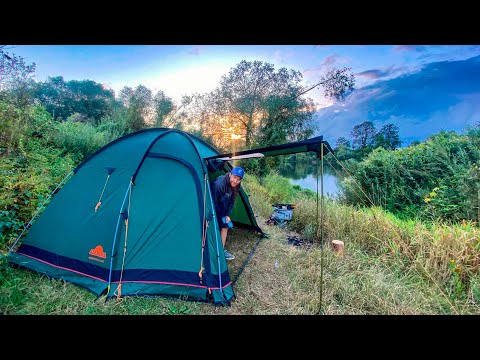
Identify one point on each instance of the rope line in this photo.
(99, 203)
(38, 210)
(118, 291)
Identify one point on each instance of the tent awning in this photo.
(246, 156)
(312, 144)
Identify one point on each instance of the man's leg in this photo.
(223, 233)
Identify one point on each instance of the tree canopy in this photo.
(64, 98)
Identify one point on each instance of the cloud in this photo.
(196, 50)
(373, 74)
(328, 62)
(409, 48)
(440, 96)
(281, 57)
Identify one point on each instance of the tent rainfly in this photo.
(137, 218)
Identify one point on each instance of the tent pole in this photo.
(321, 227)
(115, 238)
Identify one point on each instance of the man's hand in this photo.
(227, 219)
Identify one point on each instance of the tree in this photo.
(16, 110)
(255, 99)
(337, 83)
(388, 137)
(16, 82)
(363, 134)
(90, 98)
(343, 141)
(163, 107)
(285, 119)
(65, 98)
(257, 105)
(139, 104)
(13, 69)
(243, 90)
(171, 115)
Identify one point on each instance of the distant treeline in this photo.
(253, 105)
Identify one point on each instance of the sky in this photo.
(388, 77)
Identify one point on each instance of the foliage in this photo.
(387, 137)
(338, 83)
(80, 139)
(139, 105)
(244, 90)
(115, 124)
(18, 124)
(279, 189)
(163, 107)
(261, 105)
(27, 180)
(363, 134)
(63, 98)
(16, 83)
(437, 179)
(285, 120)
(343, 141)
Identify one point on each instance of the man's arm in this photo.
(218, 192)
(231, 203)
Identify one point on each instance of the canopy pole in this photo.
(321, 226)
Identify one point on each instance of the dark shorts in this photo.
(221, 224)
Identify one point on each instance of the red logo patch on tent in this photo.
(98, 251)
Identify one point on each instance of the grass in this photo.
(389, 267)
(280, 279)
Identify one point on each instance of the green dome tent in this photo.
(137, 218)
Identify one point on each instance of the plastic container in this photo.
(229, 224)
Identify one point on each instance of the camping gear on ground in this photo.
(296, 241)
(117, 228)
(282, 213)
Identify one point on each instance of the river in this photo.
(304, 175)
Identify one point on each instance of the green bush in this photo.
(78, 138)
(403, 181)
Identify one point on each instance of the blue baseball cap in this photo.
(237, 170)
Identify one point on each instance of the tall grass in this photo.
(448, 256)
